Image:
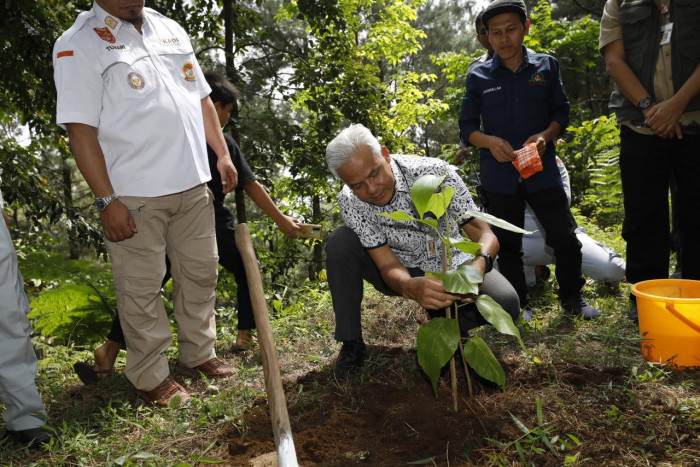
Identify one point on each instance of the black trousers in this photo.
(552, 209)
(230, 258)
(647, 164)
(348, 264)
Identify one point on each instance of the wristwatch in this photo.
(489, 262)
(644, 103)
(102, 203)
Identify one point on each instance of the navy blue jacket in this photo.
(514, 106)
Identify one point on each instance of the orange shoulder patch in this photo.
(64, 53)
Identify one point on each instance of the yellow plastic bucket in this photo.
(669, 321)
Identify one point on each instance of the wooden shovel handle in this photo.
(281, 430)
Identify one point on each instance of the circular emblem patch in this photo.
(188, 71)
(135, 80)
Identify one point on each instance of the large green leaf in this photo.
(422, 192)
(493, 220)
(402, 216)
(464, 279)
(465, 245)
(436, 343)
(496, 315)
(431, 222)
(437, 274)
(439, 202)
(479, 356)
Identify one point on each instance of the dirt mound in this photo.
(389, 415)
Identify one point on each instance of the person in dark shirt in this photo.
(224, 96)
(481, 36)
(652, 53)
(515, 99)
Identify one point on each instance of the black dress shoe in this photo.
(351, 358)
(32, 437)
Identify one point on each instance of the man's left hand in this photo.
(663, 118)
(229, 174)
(540, 141)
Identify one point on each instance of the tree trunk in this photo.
(317, 261)
(241, 215)
(73, 245)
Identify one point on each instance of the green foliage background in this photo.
(307, 68)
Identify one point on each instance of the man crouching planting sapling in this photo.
(394, 255)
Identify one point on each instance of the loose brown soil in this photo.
(389, 415)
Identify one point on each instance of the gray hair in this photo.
(346, 143)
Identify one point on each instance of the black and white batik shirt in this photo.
(415, 245)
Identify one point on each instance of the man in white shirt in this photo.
(135, 103)
(24, 412)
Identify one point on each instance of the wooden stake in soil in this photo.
(453, 370)
(281, 430)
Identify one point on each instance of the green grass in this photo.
(587, 378)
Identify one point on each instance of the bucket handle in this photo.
(672, 309)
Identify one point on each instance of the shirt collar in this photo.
(400, 183)
(111, 22)
(527, 60)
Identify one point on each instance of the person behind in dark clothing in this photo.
(224, 95)
(481, 36)
(652, 53)
(510, 101)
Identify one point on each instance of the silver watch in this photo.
(102, 203)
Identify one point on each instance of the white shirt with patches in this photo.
(143, 94)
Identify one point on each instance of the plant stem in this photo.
(453, 370)
(465, 365)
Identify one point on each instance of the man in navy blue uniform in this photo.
(514, 99)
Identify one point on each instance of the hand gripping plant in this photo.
(437, 341)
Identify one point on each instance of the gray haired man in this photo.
(393, 256)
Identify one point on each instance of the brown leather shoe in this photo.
(161, 395)
(214, 368)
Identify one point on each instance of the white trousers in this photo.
(599, 262)
(18, 363)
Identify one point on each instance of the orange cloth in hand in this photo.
(527, 161)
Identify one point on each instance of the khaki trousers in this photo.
(182, 226)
